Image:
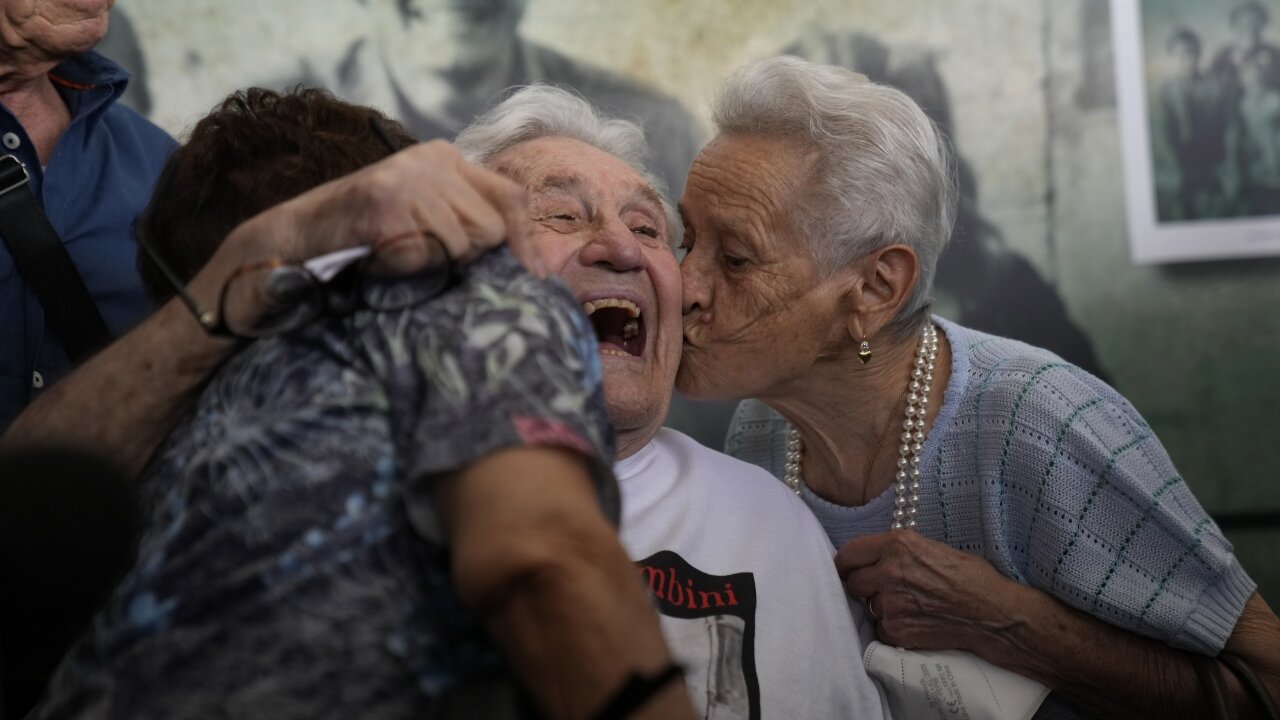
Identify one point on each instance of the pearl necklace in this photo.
(906, 486)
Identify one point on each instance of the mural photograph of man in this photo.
(437, 64)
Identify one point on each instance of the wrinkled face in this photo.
(602, 229)
(757, 311)
(49, 31)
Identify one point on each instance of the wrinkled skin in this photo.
(602, 229)
(424, 191)
(35, 35)
(757, 311)
(927, 594)
(759, 316)
(422, 194)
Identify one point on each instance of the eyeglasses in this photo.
(277, 296)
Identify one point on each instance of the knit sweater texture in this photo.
(1055, 479)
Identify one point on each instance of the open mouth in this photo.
(619, 326)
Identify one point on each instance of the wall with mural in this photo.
(1025, 88)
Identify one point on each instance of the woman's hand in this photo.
(925, 594)
(931, 596)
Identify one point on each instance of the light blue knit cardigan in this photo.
(1057, 481)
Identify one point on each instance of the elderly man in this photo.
(741, 574)
(740, 577)
(64, 134)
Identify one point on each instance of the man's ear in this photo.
(877, 289)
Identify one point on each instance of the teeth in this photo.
(591, 306)
(630, 329)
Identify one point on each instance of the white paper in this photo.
(950, 685)
(326, 266)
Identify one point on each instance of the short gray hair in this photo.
(539, 111)
(883, 173)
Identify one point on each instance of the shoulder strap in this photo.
(1252, 682)
(43, 261)
(1212, 685)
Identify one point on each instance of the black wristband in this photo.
(636, 691)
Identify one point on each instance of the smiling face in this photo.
(757, 311)
(601, 228)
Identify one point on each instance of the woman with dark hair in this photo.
(395, 500)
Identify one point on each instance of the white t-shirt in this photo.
(742, 574)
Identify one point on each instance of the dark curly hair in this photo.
(257, 149)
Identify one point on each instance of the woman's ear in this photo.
(879, 287)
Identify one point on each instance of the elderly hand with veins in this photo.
(422, 192)
(926, 595)
(923, 593)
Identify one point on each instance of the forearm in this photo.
(536, 558)
(1110, 672)
(124, 400)
(591, 614)
(932, 596)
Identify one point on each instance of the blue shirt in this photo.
(290, 566)
(98, 179)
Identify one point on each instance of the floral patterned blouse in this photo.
(290, 567)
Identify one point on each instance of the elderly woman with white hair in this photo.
(1037, 521)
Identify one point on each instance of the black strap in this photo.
(1252, 683)
(43, 261)
(1213, 687)
(1209, 672)
(636, 691)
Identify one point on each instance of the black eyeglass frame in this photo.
(216, 325)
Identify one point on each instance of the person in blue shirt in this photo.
(91, 163)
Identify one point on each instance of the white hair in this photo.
(539, 111)
(882, 174)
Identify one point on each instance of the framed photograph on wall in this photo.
(1198, 90)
